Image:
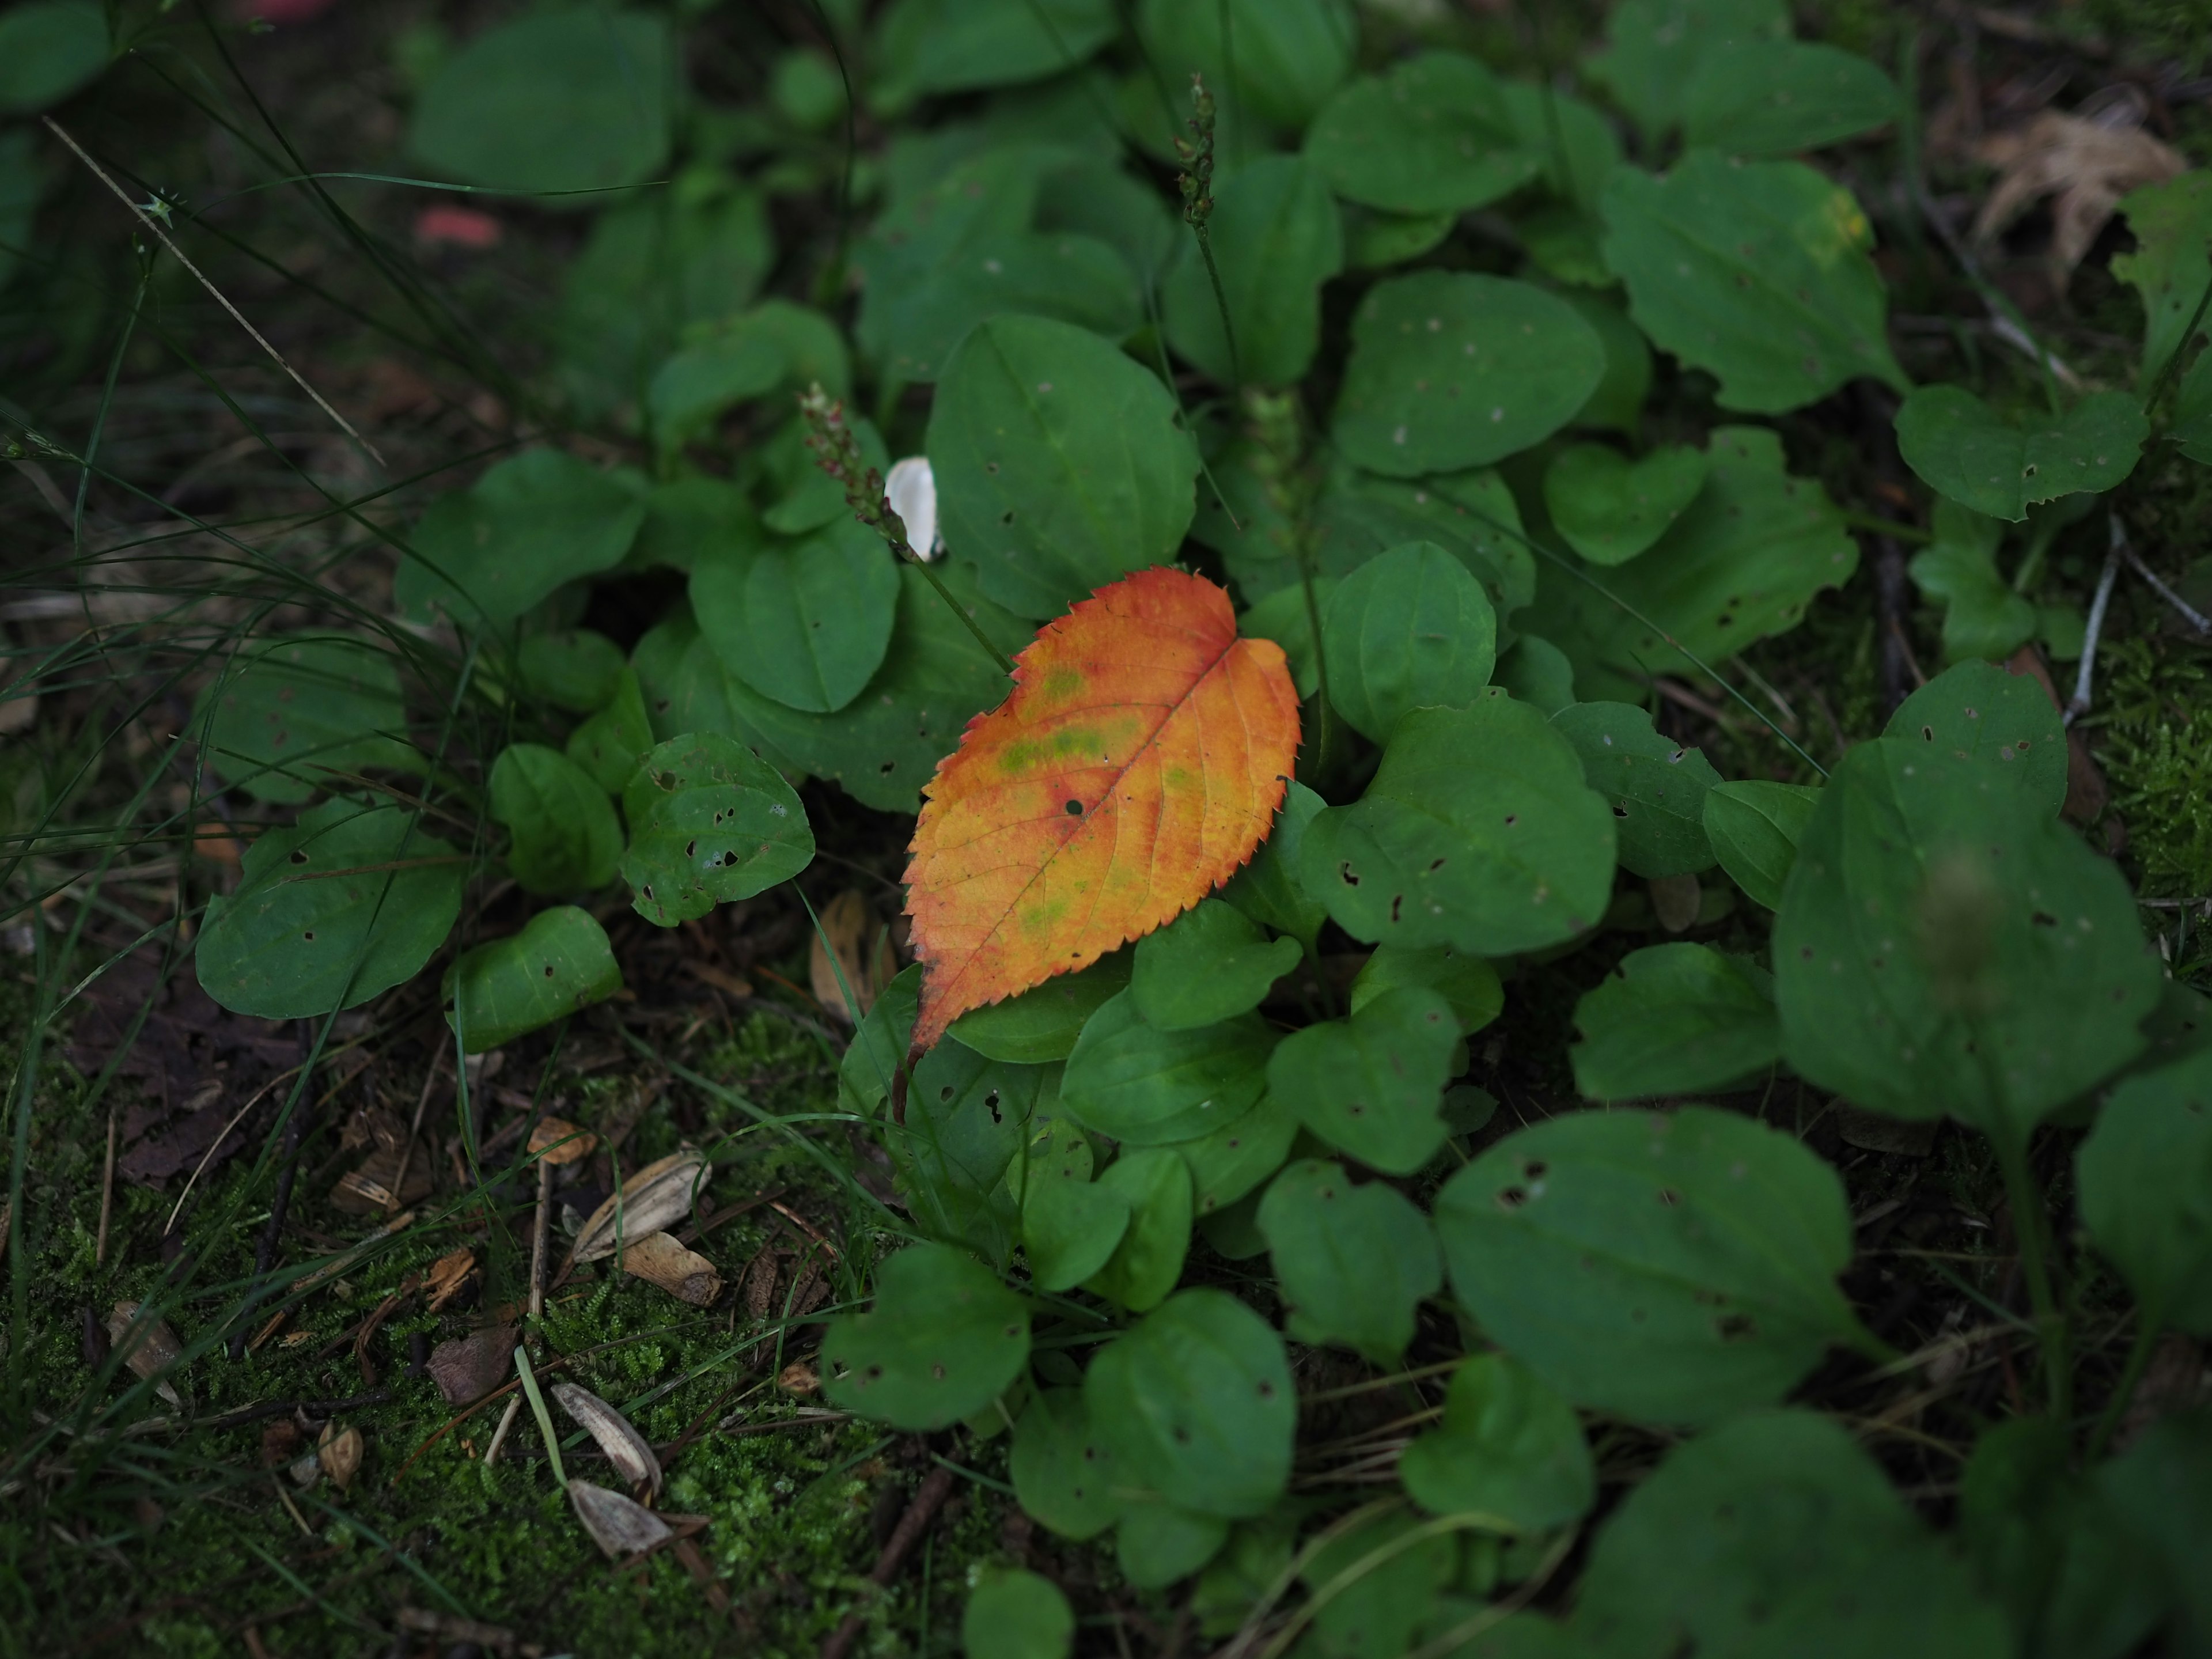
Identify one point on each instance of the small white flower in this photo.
(912, 490)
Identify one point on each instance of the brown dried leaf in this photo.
(759, 1290)
(341, 1454)
(278, 1442)
(2084, 166)
(449, 1277)
(651, 1201)
(468, 1368)
(862, 949)
(368, 1189)
(618, 1524)
(1675, 901)
(559, 1142)
(799, 1377)
(684, 1275)
(153, 1348)
(626, 1448)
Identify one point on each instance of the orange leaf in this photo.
(1138, 763)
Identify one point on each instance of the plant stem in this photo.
(2139, 1353)
(2031, 1225)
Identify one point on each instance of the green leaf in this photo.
(1669, 1268)
(1471, 515)
(689, 519)
(1478, 832)
(1282, 617)
(571, 668)
(1538, 673)
(1042, 1024)
(1655, 46)
(2001, 722)
(1070, 1226)
(944, 1340)
(924, 47)
(2146, 1190)
(1964, 450)
(1774, 1535)
(347, 903)
(559, 101)
(1658, 788)
(1679, 1019)
(1939, 948)
(1277, 237)
(967, 1119)
(1982, 615)
(1386, 1576)
(1450, 370)
(1270, 889)
(806, 622)
(1238, 1157)
(1195, 1402)
(1060, 465)
(1468, 983)
(654, 267)
(48, 50)
(710, 823)
(1410, 629)
(1209, 964)
(1611, 508)
(2050, 1548)
(1159, 1544)
(879, 1047)
(1778, 97)
(1154, 1184)
(1013, 1613)
(1755, 828)
(560, 962)
(1756, 271)
(295, 708)
(564, 838)
(2160, 1486)
(886, 743)
(1376, 241)
(1432, 136)
(1354, 1261)
(775, 345)
(1740, 565)
(2172, 222)
(965, 253)
(1061, 1466)
(1574, 143)
(531, 523)
(1369, 1085)
(1617, 404)
(608, 746)
(1288, 55)
(1105, 201)
(1508, 1446)
(1146, 1087)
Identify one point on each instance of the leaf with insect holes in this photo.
(1657, 787)
(1062, 1469)
(295, 708)
(710, 823)
(559, 963)
(1964, 450)
(2001, 722)
(944, 1340)
(1138, 764)
(1671, 1269)
(349, 902)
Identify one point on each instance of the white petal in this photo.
(912, 488)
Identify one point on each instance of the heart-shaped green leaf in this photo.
(944, 1340)
(1657, 787)
(1410, 629)
(559, 963)
(1508, 1446)
(1209, 964)
(1237, 1158)
(1354, 1261)
(347, 903)
(1070, 1226)
(564, 838)
(1654, 48)
(1673, 1269)
(1451, 370)
(1148, 1087)
(806, 622)
(1369, 1085)
(1611, 508)
(571, 668)
(532, 523)
(709, 824)
(1432, 136)
(1196, 1403)
(1679, 1019)
(1757, 272)
(1964, 449)
(1060, 465)
(1982, 615)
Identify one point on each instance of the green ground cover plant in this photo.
(1621, 1167)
